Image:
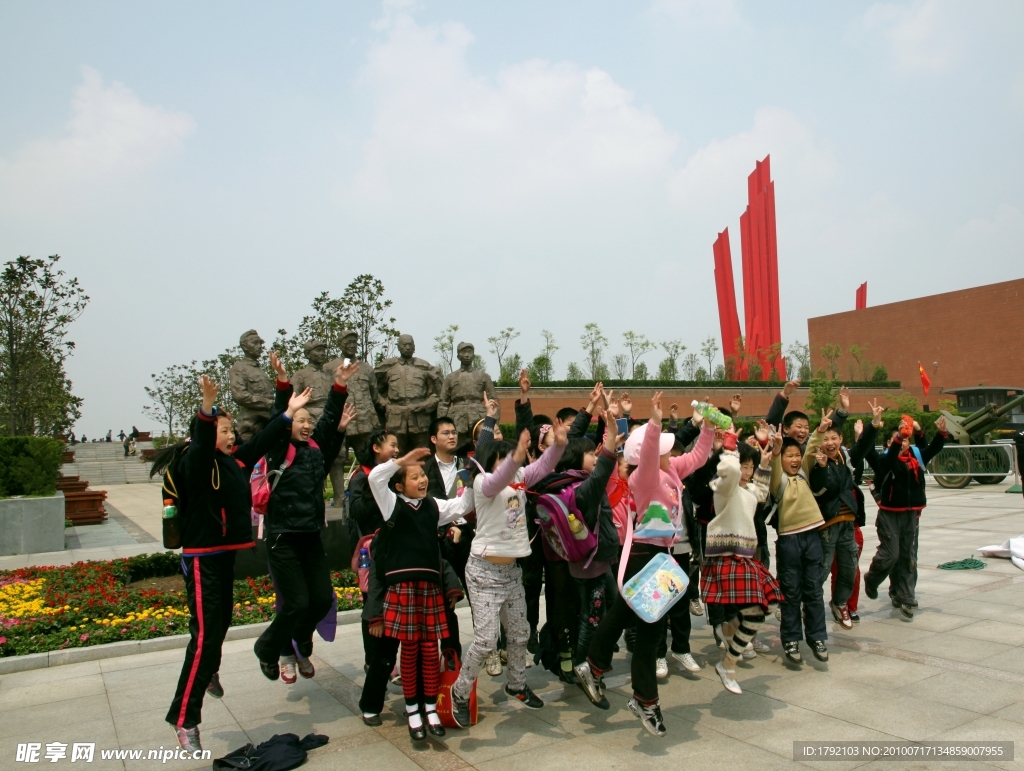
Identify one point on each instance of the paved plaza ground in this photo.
(955, 672)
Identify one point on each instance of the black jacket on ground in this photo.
(215, 501)
(900, 489)
(297, 501)
(834, 483)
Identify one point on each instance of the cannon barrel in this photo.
(988, 417)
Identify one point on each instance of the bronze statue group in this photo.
(628, 527)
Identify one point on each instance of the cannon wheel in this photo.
(992, 460)
(952, 468)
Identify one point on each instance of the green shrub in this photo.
(29, 465)
(880, 375)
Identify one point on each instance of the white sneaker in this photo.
(727, 678)
(687, 662)
(749, 652)
(287, 664)
(761, 646)
(493, 664)
(661, 670)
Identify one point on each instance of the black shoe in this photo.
(526, 697)
(818, 649)
(418, 734)
(895, 601)
(436, 730)
(907, 611)
(460, 712)
(569, 678)
(870, 591)
(592, 686)
(215, 689)
(373, 721)
(792, 651)
(649, 716)
(854, 617)
(270, 669)
(533, 643)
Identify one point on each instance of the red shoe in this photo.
(306, 668)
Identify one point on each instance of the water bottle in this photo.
(171, 525)
(364, 558)
(579, 532)
(712, 415)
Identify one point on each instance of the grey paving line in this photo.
(136, 532)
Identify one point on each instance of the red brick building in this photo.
(964, 338)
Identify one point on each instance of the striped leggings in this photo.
(740, 630)
(420, 665)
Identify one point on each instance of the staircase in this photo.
(103, 463)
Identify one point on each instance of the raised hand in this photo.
(790, 388)
(613, 440)
(627, 404)
(347, 416)
(673, 413)
(766, 457)
(560, 433)
(940, 425)
(278, 365)
(844, 399)
(298, 401)
(735, 403)
(597, 394)
(524, 386)
(491, 405)
(917, 427)
(522, 447)
(656, 409)
(343, 373)
(826, 421)
(209, 388)
(876, 413)
(858, 429)
(413, 458)
(777, 441)
(615, 409)
(820, 457)
(719, 441)
(762, 432)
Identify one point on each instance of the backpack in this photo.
(553, 510)
(262, 483)
(363, 573)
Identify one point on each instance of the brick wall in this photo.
(976, 335)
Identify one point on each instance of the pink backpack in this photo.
(553, 510)
(363, 573)
(263, 482)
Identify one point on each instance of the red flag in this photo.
(926, 382)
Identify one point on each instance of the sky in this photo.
(207, 168)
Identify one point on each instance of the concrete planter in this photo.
(31, 525)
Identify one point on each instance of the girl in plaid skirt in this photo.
(409, 557)
(730, 575)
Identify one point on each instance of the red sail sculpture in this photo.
(763, 340)
(862, 295)
(728, 318)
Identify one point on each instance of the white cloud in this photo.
(444, 137)
(924, 36)
(112, 135)
(698, 13)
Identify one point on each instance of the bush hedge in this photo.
(619, 384)
(29, 465)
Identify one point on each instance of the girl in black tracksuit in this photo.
(295, 516)
(210, 478)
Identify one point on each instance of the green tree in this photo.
(444, 346)
(539, 370)
(364, 309)
(880, 375)
(700, 375)
(500, 344)
(801, 354)
(709, 349)
(667, 369)
(637, 345)
(548, 353)
(902, 403)
(641, 373)
(719, 373)
(831, 352)
(219, 369)
(690, 366)
(38, 304)
(823, 396)
(620, 366)
(574, 372)
(754, 371)
(594, 342)
(173, 397)
(510, 369)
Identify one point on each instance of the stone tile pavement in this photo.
(955, 672)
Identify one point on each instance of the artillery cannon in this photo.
(954, 467)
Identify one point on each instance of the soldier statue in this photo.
(314, 376)
(409, 389)
(462, 394)
(251, 387)
(362, 394)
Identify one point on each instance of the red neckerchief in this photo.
(618, 492)
(908, 457)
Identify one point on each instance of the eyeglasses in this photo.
(447, 433)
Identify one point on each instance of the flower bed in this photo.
(90, 603)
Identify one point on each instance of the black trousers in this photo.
(562, 603)
(679, 622)
(533, 580)
(799, 573)
(209, 582)
(648, 636)
(594, 596)
(896, 558)
(299, 564)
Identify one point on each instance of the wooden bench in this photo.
(71, 484)
(67, 456)
(85, 507)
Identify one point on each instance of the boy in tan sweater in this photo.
(798, 547)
